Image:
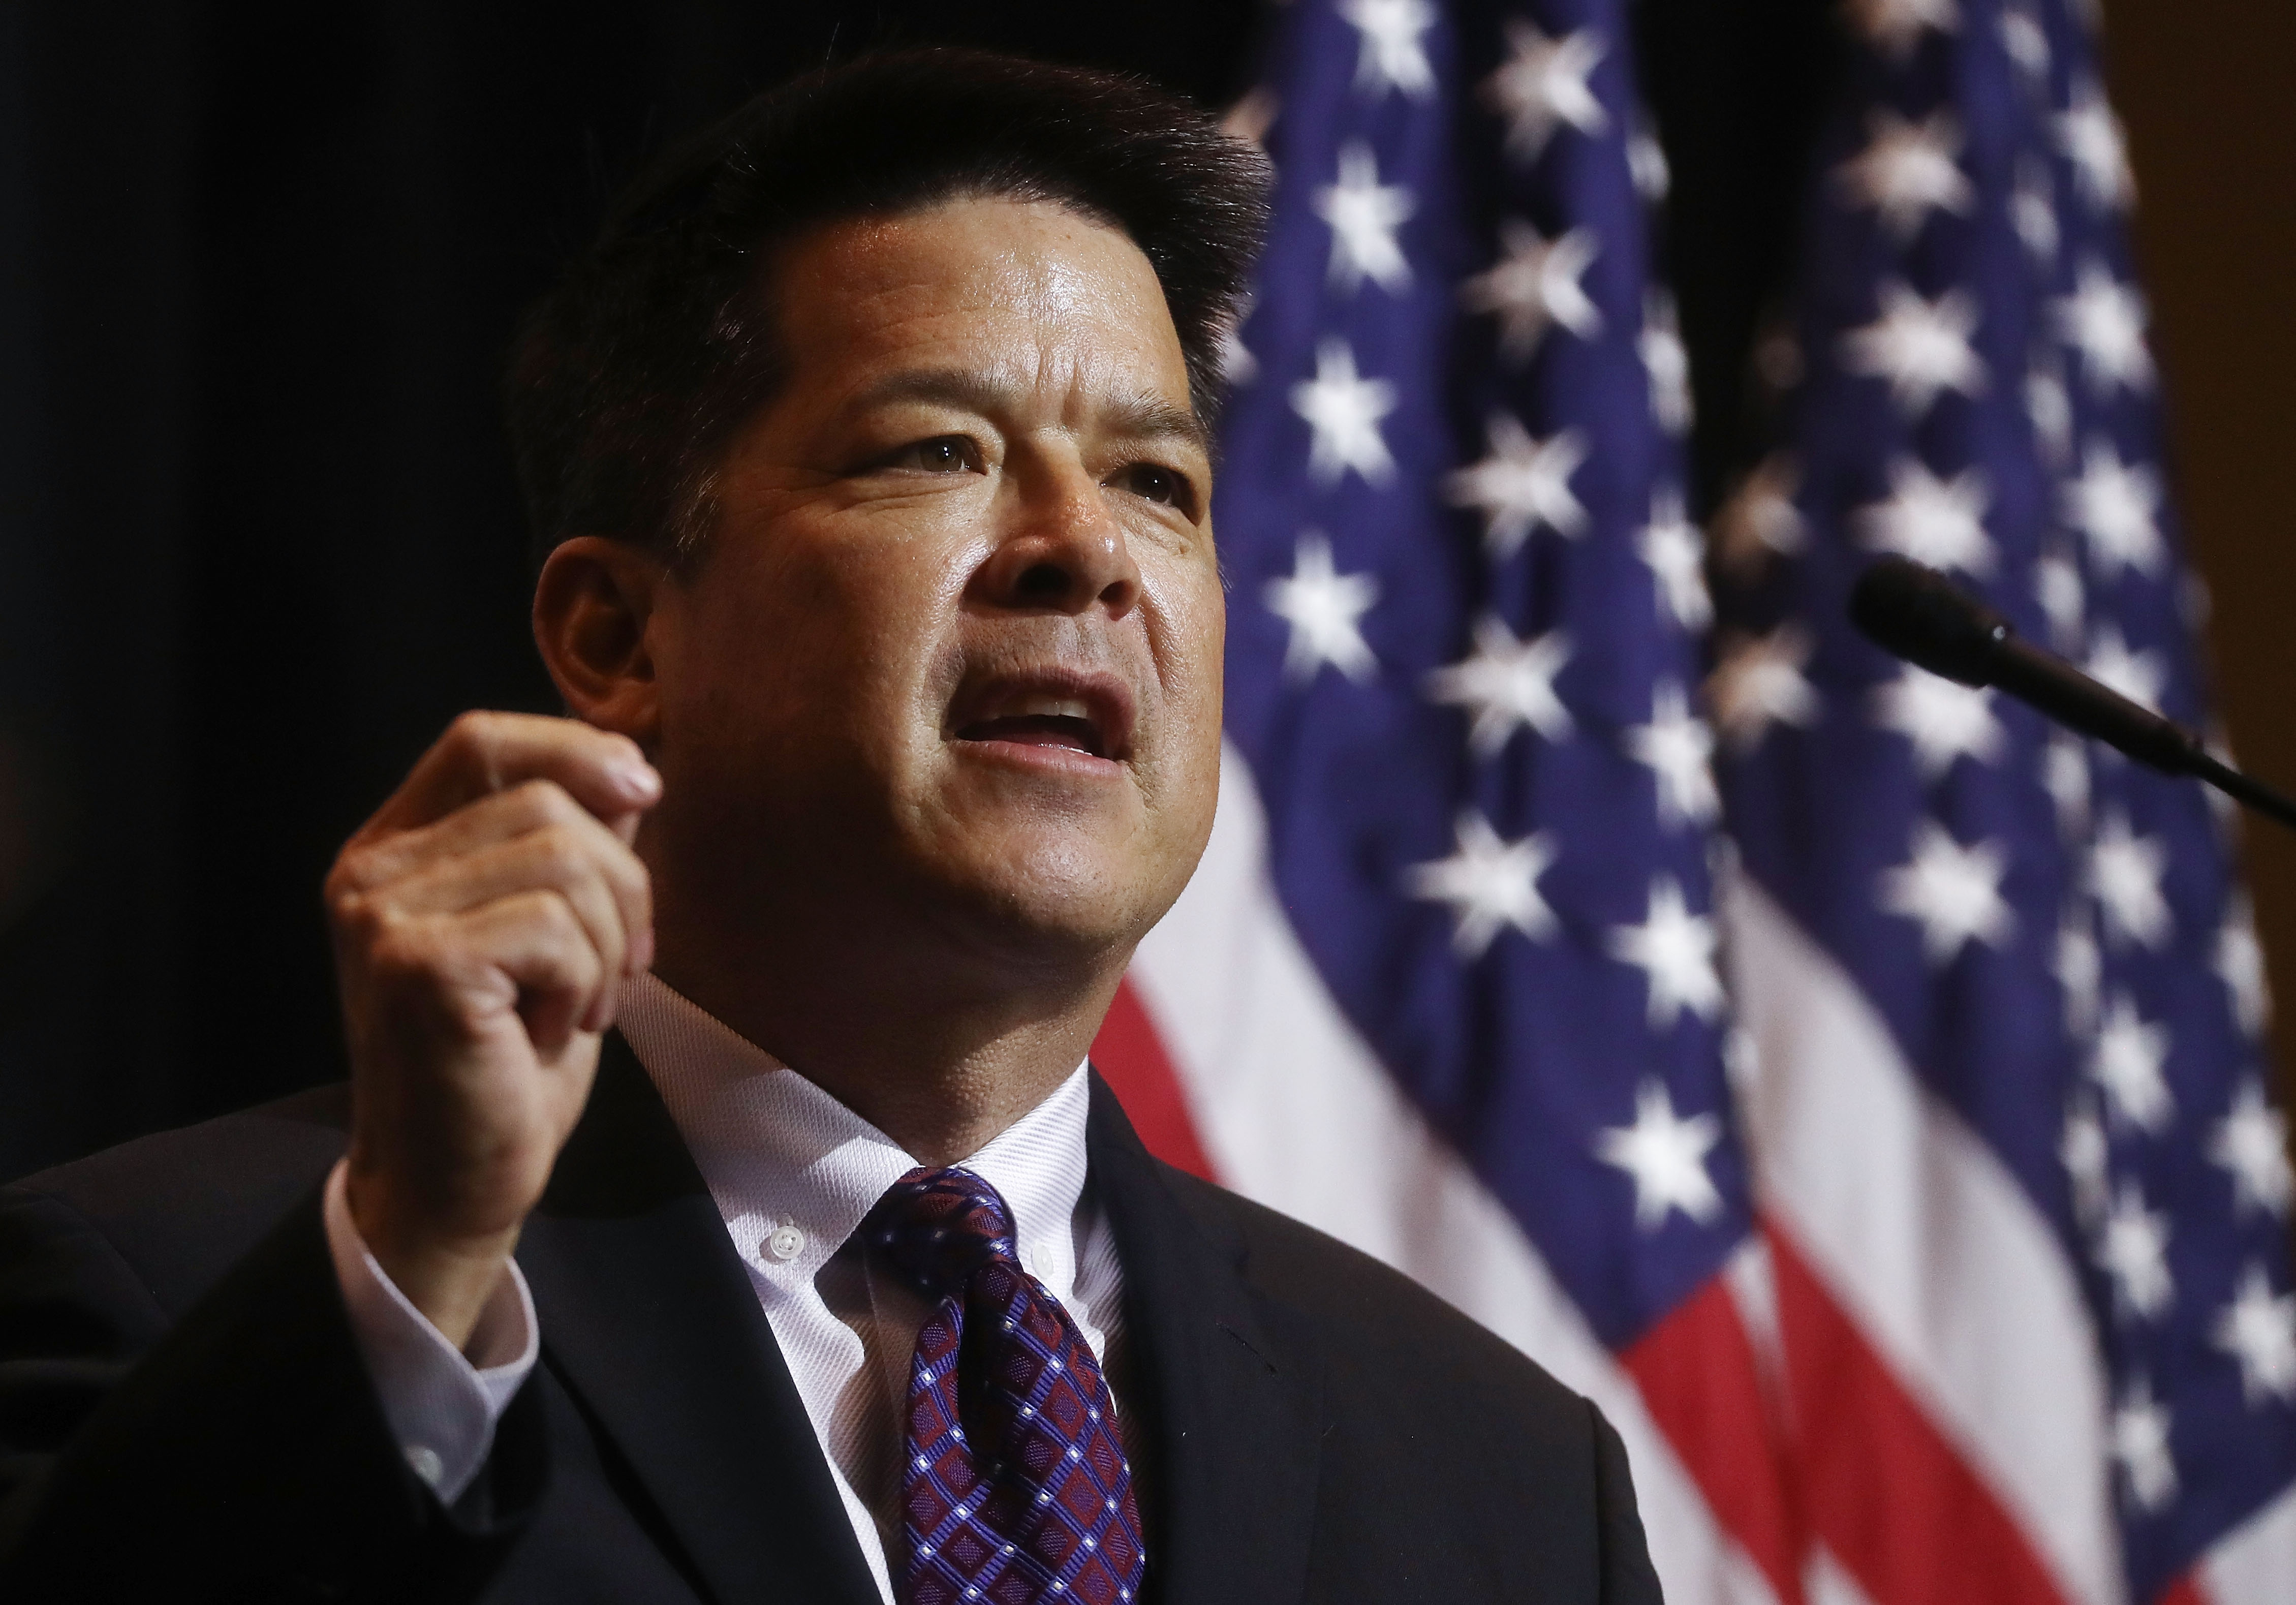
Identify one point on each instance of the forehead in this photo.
(1029, 291)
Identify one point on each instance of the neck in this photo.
(937, 1054)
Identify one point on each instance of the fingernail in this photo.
(638, 778)
(642, 952)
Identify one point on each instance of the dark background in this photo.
(259, 539)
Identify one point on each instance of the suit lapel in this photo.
(648, 1317)
(1234, 1399)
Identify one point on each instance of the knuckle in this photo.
(562, 852)
(576, 941)
(355, 912)
(473, 743)
(543, 802)
(474, 725)
(398, 949)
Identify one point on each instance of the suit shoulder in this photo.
(1371, 1317)
(181, 1206)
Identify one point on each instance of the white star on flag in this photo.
(1939, 522)
(1943, 719)
(1953, 891)
(1238, 366)
(2064, 776)
(1759, 519)
(1543, 84)
(2238, 961)
(2124, 876)
(1364, 215)
(2079, 969)
(2140, 677)
(1666, 1155)
(1393, 55)
(1921, 347)
(1325, 609)
(2051, 411)
(2117, 505)
(2086, 1156)
(2258, 1330)
(2103, 319)
(2033, 210)
(1678, 749)
(1509, 684)
(2251, 1144)
(1647, 165)
(1489, 884)
(2027, 43)
(1675, 949)
(1759, 680)
(2140, 1447)
(1668, 364)
(1893, 25)
(1344, 410)
(2127, 1060)
(1907, 170)
(2090, 137)
(2057, 587)
(2133, 1249)
(1675, 552)
(1523, 483)
(1535, 282)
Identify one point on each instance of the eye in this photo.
(1152, 483)
(941, 455)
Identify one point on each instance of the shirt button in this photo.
(425, 1463)
(784, 1242)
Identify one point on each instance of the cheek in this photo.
(1187, 634)
(831, 635)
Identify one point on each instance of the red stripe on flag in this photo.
(1130, 1058)
(1698, 1374)
(2184, 1591)
(1893, 1500)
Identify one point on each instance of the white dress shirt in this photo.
(794, 1173)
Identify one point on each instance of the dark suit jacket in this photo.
(184, 1414)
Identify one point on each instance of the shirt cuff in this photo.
(442, 1402)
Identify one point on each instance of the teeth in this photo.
(1034, 707)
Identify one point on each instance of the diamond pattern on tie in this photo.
(1016, 1490)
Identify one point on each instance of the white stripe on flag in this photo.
(1295, 1111)
(1926, 1241)
(2256, 1563)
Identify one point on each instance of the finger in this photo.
(484, 753)
(416, 871)
(536, 942)
(534, 807)
(561, 859)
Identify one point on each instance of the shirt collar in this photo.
(779, 1153)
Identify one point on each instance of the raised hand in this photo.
(484, 922)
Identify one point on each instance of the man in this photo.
(721, 1208)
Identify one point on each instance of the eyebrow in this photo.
(1138, 416)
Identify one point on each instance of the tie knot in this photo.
(938, 1227)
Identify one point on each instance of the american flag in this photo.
(2026, 1193)
(1940, 1255)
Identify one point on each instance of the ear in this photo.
(593, 607)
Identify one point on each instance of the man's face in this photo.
(953, 653)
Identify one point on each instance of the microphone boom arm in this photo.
(1918, 614)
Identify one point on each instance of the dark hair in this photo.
(660, 339)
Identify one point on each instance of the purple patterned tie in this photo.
(1015, 1490)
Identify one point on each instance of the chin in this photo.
(1059, 901)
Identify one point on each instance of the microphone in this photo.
(1916, 613)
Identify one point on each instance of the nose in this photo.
(1063, 551)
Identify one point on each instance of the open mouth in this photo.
(1054, 711)
(1074, 731)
